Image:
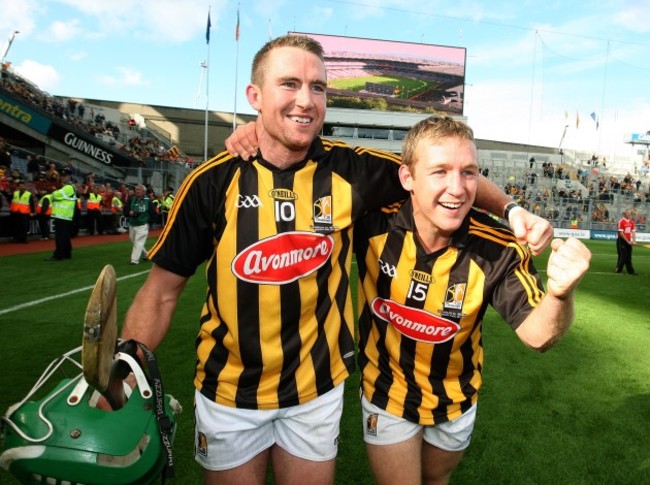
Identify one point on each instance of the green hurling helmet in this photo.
(63, 438)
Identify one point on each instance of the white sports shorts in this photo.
(383, 428)
(227, 437)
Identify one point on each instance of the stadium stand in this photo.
(564, 187)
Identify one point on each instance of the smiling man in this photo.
(290, 101)
(276, 338)
(428, 270)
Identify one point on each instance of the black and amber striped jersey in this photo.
(277, 325)
(420, 315)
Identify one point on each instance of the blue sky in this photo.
(532, 67)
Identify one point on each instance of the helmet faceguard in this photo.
(64, 438)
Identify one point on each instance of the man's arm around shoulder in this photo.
(527, 227)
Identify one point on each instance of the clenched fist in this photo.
(568, 262)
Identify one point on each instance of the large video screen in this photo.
(393, 76)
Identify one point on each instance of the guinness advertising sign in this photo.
(87, 145)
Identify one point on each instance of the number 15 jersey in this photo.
(420, 322)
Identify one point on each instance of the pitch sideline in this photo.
(62, 295)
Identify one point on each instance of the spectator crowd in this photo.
(131, 139)
(40, 177)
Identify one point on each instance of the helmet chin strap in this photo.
(77, 393)
(31, 457)
(45, 376)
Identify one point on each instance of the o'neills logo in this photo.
(283, 194)
(283, 258)
(421, 276)
(414, 323)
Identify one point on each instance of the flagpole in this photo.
(207, 89)
(234, 111)
(602, 101)
(9, 42)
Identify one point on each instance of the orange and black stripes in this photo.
(275, 331)
(425, 380)
(182, 192)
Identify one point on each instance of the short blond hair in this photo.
(433, 128)
(303, 42)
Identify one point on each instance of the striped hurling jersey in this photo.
(420, 315)
(276, 328)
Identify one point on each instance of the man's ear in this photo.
(254, 96)
(405, 177)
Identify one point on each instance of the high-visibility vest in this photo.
(20, 202)
(39, 208)
(63, 202)
(167, 203)
(94, 202)
(116, 205)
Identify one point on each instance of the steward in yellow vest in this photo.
(94, 212)
(22, 208)
(167, 202)
(43, 213)
(64, 201)
(117, 208)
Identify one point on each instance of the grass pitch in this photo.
(407, 87)
(578, 414)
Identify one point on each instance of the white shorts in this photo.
(227, 437)
(382, 428)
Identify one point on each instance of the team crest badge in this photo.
(323, 215)
(455, 296)
(201, 444)
(371, 425)
(323, 210)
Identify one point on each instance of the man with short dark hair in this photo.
(277, 333)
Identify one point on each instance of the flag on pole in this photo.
(207, 30)
(237, 27)
(595, 118)
(577, 120)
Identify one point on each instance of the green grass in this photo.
(578, 414)
(407, 85)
